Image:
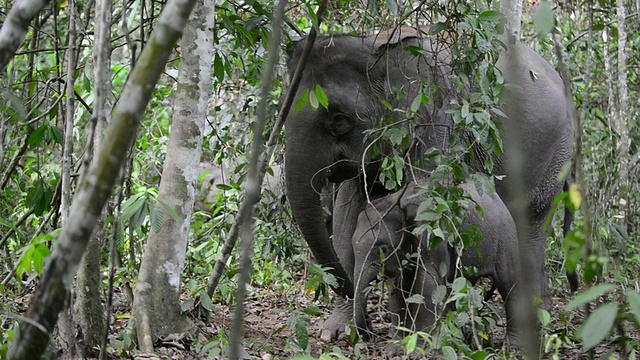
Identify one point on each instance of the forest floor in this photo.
(269, 332)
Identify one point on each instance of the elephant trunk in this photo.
(363, 276)
(304, 177)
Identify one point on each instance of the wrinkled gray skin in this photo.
(384, 232)
(356, 74)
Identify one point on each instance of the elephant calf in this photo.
(383, 237)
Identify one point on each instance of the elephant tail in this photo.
(574, 283)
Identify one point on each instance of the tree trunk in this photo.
(156, 307)
(620, 121)
(67, 326)
(39, 320)
(15, 27)
(88, 309)
(512, 10)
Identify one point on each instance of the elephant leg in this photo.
(334, 326)
(506, 280)
(533, 260)
(422, 316)
(348, 204)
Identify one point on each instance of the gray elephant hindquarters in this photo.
(383, 240)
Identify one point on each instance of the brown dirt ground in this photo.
(267, 336)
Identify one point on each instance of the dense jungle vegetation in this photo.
(141, 153)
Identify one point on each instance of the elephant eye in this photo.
(341, 124)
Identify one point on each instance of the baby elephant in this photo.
(383, 239)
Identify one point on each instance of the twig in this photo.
(254, 180)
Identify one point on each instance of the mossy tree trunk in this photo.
(156, 307)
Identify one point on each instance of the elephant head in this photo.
(364, 79)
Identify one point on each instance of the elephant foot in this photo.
(335, 325)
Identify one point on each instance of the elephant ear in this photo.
(396, 35)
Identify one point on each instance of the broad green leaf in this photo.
(633, 298)
(438, 232)
(412, 341)
(597, 326)
(415, 104)
(37, 135)
(218, 68)
(479, 355)
(437, 297)
(312, 310)
(57, 134)
(490, 15)
(464, 111)
(205, 301)
(458, 284)
(589, 295)
(313, 101)
(322, 97)
(415, 299)
(543, 19)
(449, 353)
(544, 317)
(131, 206)
(302, 101)
(437, 28)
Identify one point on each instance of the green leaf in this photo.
(589, 295)
(312, 311)
(412, 341)
(37, 135)
(415, 104)
(479, 355)
(218, 68)
(301, 333)
(302, 101)
(438, 233)
(634, 304)
(449, 353)
(491, 15)
(15, 104)
(458, 284)
(322, 97)
(131, 206)
(544, 317)
(205, 301)
(597, 326)
(171, 212)
(543, 19)
(57, 134)
(437, 297)
(415, 299)
(464, 111)
(437, 28)
(313, 101)
(157, 220)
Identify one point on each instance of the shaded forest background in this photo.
(70, 73)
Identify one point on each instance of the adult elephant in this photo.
(362, 77)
